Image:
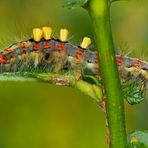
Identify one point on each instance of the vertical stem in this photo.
(100, 15)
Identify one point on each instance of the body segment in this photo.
(48, 54)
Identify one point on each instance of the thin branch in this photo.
(91, 90)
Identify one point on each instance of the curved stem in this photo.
(92, 90)
(99, 13)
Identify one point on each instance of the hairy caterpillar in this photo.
(44, 53)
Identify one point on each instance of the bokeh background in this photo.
(40, 115)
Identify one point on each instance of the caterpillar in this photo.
(43, 53)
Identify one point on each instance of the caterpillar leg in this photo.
(60, 59)
(77, 74)
(77, 67)
(36, 57)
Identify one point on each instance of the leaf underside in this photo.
(133, 91)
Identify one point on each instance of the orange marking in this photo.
(77, 61)
(2, 60)
(47, 45)
(8, 51)
(24, 56)
(24, 63)
(36, 47)
(79, 54)
(137, 63)
(12, 59)
(23, 45)
(60, 46)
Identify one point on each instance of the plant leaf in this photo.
(74, 4)
(133, 91)
(138, 139)
(136, 145)
(91, 79)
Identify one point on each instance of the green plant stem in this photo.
(100, 16)
(92, 90)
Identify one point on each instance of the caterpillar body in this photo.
(44, 54)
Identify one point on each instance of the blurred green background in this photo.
(39, 115)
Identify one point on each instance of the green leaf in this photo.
(138, 139)
(133, 91)
(136, 145)
(92, 91)
(75, 4)
(91, 79)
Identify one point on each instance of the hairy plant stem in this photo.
(100, 16)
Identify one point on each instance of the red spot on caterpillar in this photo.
(23, 45)
(36, 47)
(136, 63)
(79, 53)
(60, 46)
(8, 51)
(119, 61)
(47, 45)
(2, 60)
